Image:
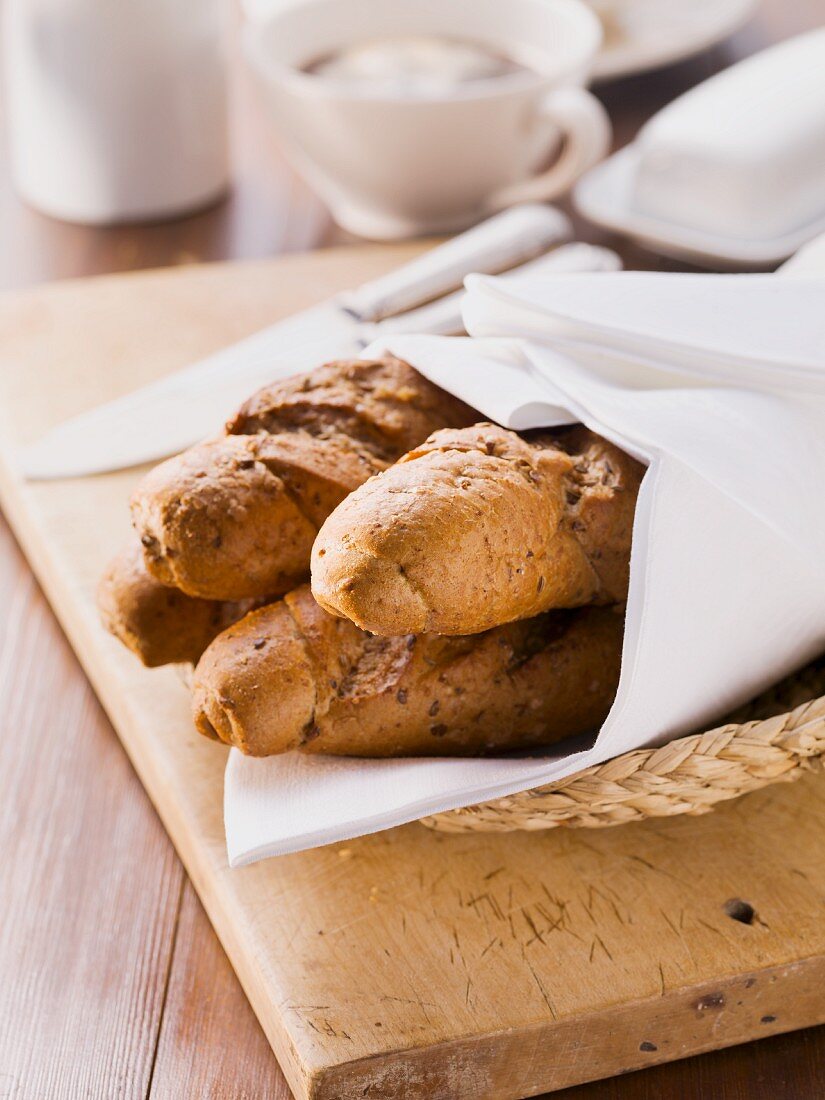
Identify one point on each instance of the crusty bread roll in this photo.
(290, 676)
(235, 517)
(159, 624)
(479, 527)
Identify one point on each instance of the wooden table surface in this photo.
(112, 982)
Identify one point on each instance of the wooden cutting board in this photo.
(408, 964)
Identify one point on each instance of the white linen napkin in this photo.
(727, 589)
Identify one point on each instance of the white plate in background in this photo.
(647, 34)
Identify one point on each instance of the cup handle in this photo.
(586, 131)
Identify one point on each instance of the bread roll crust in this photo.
(235, 517)
(159, 624)
(290, 676)
(479, 527)
(382, 406)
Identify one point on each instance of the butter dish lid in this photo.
(732, 171)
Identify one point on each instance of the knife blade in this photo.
(166, 416)
(170, 415)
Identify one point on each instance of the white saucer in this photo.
(604, 196)
(647, 34)
(810, 260)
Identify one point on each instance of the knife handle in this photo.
(443, 318)
(497, 244)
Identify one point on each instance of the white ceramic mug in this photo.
(390, 165)
(116, 110)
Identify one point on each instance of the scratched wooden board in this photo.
(408, 964)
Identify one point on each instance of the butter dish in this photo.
(732, 172)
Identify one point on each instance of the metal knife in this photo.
(167, 416)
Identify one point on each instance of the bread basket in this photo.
(775, 738)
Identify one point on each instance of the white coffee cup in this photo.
(390, 165)
(116, 111)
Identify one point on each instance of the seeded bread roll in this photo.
(159, 624)
(234, 518)
(479, 527)
(290, 676)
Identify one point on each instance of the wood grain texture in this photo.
(90, 884)
(409, 963)
(210, 1042)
